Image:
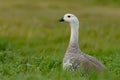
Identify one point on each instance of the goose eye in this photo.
(69, 16)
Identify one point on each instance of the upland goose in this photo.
(74, 59)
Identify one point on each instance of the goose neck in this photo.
(74, 34)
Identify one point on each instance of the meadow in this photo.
(33, 41)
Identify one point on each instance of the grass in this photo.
(33, 42)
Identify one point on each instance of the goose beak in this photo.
(61, 20)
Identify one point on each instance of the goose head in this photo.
(74, 25)
(70, 18)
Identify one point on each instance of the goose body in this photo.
(74, 58)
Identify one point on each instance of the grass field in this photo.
(33, 42)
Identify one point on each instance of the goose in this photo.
(74, 58)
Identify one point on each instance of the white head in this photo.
(74, 24)
(70, 18)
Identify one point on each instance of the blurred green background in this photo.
(33, 42)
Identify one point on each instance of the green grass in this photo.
(33, 42)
